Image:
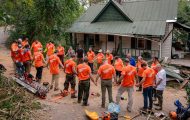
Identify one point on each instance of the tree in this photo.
(42, 19)
(184, 12)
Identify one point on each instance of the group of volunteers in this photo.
(111, 70)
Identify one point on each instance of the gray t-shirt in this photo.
(161, 75)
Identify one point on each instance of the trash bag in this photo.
(113, 108)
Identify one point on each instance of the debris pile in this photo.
(15, 102)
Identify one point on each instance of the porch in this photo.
(119, 45)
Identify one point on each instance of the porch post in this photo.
(120, 46)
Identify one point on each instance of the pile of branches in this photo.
(15, 102)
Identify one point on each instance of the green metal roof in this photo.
(148, 16)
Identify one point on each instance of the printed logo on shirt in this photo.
(52, 60)
(107, 70)
(81, 69)
(150, 75)
(130, 73)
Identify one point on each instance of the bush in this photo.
(146, 55)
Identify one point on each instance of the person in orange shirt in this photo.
(127, 79)
(61, 53)
(140, 70)
(91, 56)
(38, 60)
(14, 47)
(70, 70)
(109, 57)
(36, 45)
(106, 72)
(118, 66)
(155, 62)
(54, 63)
(99, 58)
(50, 48)
(147, 83)
(17, 59)
(25, 42)
(27, 57)
(84, 76)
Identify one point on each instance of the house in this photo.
(139, 27)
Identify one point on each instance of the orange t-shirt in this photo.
(38, 59)
(140, 69)
(90, 56)
(149, 76)
(83, 71)
(109, 58)
(25, 42)
(36, 46)
(14, 47)
(129, 72)
(69, 65)
(100, 57)
(153, 66)
(118, 64)
(61, 50)
(50, 48)
(54, 62)
(17, 56)
(26, 55)
(106, 71)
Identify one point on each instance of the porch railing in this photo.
(140, 52)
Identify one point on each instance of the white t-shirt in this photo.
(161, 75)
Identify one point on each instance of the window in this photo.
(89, 39)
(97, 38)
(133, 43)
(148, 45)
(141, 44)
(110, 38)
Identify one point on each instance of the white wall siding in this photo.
(103, 39)
(126, 42)
(167, 44)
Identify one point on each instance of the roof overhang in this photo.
(182, 26)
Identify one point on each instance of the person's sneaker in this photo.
(159, 108)
(85, 104)
(156, 104)
(51, 87)
(129, 110)
(143, 109)
(79, 101)
(56, 89)
(73, 96)
(150, 109)
(103, 106)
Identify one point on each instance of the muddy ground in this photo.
(68, 109)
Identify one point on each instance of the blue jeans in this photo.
(147, 94)
(19, 68)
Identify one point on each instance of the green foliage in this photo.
(184, 12)
(188, 92)
(42, 19)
